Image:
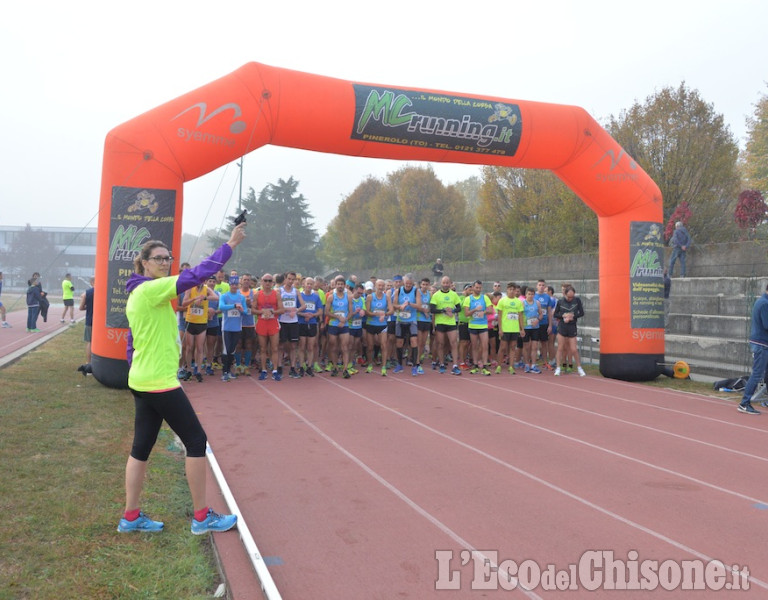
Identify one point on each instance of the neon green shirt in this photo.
(442, 300)
(156, 343)
(67, 290)
(510, 314)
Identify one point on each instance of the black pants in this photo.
(175, 408)
(230, 341)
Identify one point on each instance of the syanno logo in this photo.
(614, 161)
(236, 126)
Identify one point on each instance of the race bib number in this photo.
(340, 315)
(310, 306)
(357, 323)
(266, 313)
(196, 311)
(233, 312)
(405, 315)
(478, 314)
(289, 303)
(533, 322)
(511, 316)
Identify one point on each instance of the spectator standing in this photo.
(34, 297)
(5, 323)
(86, 304)
(680, 241)
(68, 296)
(437, 269)
(758, 344)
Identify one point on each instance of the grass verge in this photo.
(63, 445)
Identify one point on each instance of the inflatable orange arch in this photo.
(148, 159)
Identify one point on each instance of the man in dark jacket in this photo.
(437, 269)
(758, 344)
(680, 241)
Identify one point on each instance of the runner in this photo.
(378, 308)
(339, 306)
(289, 323)
(308, 326)
(510, 311)
(477, 306)
(445, 304)
(407, 304)
(269, 306)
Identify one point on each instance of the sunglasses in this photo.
(267, 280)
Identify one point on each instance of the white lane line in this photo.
(464, 544)
(535, 478)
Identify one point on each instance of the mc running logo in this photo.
(236, 126)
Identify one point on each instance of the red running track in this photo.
(351, 488)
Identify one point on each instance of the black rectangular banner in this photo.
(646, 280)
(437, 121)
(138, 215)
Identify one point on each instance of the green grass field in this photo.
(64, 440)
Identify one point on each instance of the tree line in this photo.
(410, 217)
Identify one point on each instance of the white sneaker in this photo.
(581, 372)
(557, 372)
(7, 325)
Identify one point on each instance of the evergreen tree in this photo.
(281, 235)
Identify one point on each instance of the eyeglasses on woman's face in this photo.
(159, 260)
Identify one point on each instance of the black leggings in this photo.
(175, 408)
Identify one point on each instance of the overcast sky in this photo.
(72, 71)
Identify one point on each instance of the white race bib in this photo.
(310, 306)
(233, 312)
(405, 315)
(512, 316)
(196, 311)
(289, 303)
(357, 323)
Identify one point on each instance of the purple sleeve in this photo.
(209, 266)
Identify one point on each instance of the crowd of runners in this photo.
(242, 325)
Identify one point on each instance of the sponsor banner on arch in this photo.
(138, 215)
(437, 121)
(646, 275)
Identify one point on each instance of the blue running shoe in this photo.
(276, 375)
(143, 523)
(262, 376)
(420, 370)
(535, 369)
(455, 370)
(213, 522)
(398, 368)
(414, 371)
(442, 369)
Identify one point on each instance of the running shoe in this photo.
(6, 325)
(474, 371)
(277, 375)
(329, 367)
(511, 370)
(199, 377)
(233, 375)
(535, 369)
(498, 370)
(557, 372)
(213, 522)
(485, 372)
(309, 371)
(225, 377)
(420, 370)
(352, 370)
(581, 372)
(383, 371)
(209, 370)
(183, 374)
(293, 374)
(442, 369)
(519, 365)
(143, 523)
(749, 409)
(398, 368)
(345, 374)
(262, 376)
(369, 369)
(334, 372)
(414, 371)
(527, 369)
(455, 370)
(316, 368)
(434, 365)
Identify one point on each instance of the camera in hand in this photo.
(241, 218)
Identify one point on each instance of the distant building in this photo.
(75, 254)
